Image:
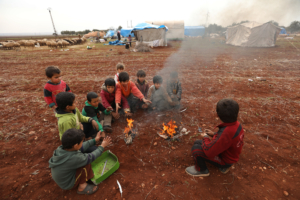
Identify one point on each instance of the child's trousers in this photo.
(200, 158)
(83, 174)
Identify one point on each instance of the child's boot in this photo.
(193, 172)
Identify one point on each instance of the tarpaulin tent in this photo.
(253, 34)
(175, 28)
(125, 32)
(110, 33)
(154, 35)
(194, 31)
(283, 31)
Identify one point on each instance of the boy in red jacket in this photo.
(128, 89)
(54, 86)
(108, 94)
(222, 148)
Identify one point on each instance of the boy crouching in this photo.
(222, 148)
(70, 167)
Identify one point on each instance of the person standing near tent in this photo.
(119, 35)
(129, 39)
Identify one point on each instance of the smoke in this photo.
(283, 12)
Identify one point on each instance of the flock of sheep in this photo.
(59, 43)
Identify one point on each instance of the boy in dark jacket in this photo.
(174, 87)
(158, 96)
(70, 167)
(222, 148)
(142, 85)
(108, 94)
(54, 86)
(94, 109)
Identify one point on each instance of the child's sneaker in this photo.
(107, 129)
(224, 170)
(193, 172)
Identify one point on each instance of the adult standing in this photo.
(119, 35)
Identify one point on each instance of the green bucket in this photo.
(112, 164)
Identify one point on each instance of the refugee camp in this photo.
(160, 100)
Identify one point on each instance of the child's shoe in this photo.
(193, 172)
(224, 170)
(107, 129)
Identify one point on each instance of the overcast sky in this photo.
(31, 16)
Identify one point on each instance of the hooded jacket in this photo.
(109, 98)
(174, 89)
(94, 112)
(68, 120)
(64, 163)
(143, 87)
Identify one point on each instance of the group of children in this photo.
(81, 132)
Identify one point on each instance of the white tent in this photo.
(175, 28)
(253, 34)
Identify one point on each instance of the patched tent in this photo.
(194, 31)
(154, 35)
(125, 32)
(283, 31)
(175, 28)
(253, 34)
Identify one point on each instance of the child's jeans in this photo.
(132, 101)
(200, 158)
(83, 174)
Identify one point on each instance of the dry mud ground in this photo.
(209, 71)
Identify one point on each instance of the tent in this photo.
(253, 34)
(109, 33)
(283, 31)
(154, 35)
(175, 28)
(125, 32)
(194, 31)
(99, 34)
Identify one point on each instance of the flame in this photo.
(129, 126)
(169, 129)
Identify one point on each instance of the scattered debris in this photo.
(285, 193)
(141, 47)
(31, 132)
(199, 130)
(261, 79)
(184, 131)
(120, 187)
(35, 172)
(250, 80)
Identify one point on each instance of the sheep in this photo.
(17, 45)
(8, 45)
(52, 44)
(29, 44)
(34, 41)
(42, 42)
(60, 44)
(22, 42)
(64, 43)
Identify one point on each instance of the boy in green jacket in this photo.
(70, 167)
(92, 109)
(68, 115)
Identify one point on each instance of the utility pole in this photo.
(207, 15)
(55, 33)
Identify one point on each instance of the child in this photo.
(70, 167)
(108, 94)
(223, 148)
(92, 109)
(174, 87)
(54, 86)
(129, 90)
(158, 95)
(68, 115)
(142, 85)
(120, 68)
(129, 39)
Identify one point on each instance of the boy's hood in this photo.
(87, 104)
(144, 82)
(60, 113)
(60, 156)
(105, 89)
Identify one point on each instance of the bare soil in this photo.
(209, 71)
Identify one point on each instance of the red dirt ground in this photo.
(209, 71)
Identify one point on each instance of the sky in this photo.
(32, 16)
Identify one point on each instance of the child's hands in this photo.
(146, 101)
(128, 114)
(106, 141)
(209, 132)
(98, 136)
(144, 106)
(117, 107)
(109, 108)
(54, 107)
(81, 126)
(95, 125)
(115, 115)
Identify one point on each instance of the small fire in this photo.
(169, 129)
(129, 126)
